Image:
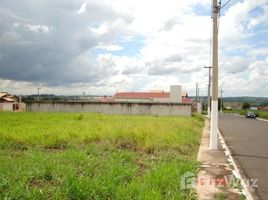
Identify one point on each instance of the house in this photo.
(253, 108)
(175, 96)
(10, 102)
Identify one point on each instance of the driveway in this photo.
(248, 140)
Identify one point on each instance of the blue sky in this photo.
(129, 48)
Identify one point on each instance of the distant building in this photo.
(253, 108)
(10, 102)
(175, 96)
(265, 108)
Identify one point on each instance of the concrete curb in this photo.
(260, 119)
(250, 193)
(213, 166)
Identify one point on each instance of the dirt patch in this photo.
(142, 167)
(57, 146)
(126, 144)
(35, 182)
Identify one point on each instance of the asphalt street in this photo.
(248, 140)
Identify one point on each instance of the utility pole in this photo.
(38, 93)
(214, 106)
(196, 93)
(209, 84)
(221, 101)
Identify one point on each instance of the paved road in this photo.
(248, 140)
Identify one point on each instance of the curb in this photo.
(213, 166)
(260, 119)
(248, 192)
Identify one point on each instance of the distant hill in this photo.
(258, 101)
(252, 100)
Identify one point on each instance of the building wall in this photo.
(175, 93)
(12, 106)
(125, 108)
(6, 106)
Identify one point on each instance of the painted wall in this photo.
(12, 106)
(6, 106)
(125, 108)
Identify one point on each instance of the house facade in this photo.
(10, 102)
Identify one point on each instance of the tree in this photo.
(245, 105)
(219, 103)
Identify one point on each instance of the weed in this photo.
(221, 196)
(48, 174)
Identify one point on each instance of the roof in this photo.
(8, 99)
(187, 100)
(147, 95)
(2, 94)
(141, 95)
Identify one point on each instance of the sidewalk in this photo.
(214, 169)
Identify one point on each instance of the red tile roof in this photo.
(187, 100)
(141, 95)
(146, 95)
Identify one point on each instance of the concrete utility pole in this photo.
(209, 84)
(38, 93)
(196, 93)
(214, 106)
(221, 101)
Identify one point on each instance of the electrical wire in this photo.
(219, 7)
(225, 4)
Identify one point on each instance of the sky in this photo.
(100, 47)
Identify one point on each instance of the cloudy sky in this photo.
(99, 47)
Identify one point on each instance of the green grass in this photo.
(236, 111)
(95, 156)
(263, 114)
(221, 196)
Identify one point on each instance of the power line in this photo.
(224, 4)
(219, 7)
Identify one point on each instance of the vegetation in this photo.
(221, 196)
(245, 105)
(259, 113)
(95, 156)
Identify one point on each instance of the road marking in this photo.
(246, 191)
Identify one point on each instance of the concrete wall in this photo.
(6, 106)
(125, 108)
(175, 93)
(12, 106)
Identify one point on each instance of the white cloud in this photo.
(38, 28)
(83, 8)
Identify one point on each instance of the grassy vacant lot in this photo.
(259, 113)
(95, 156)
